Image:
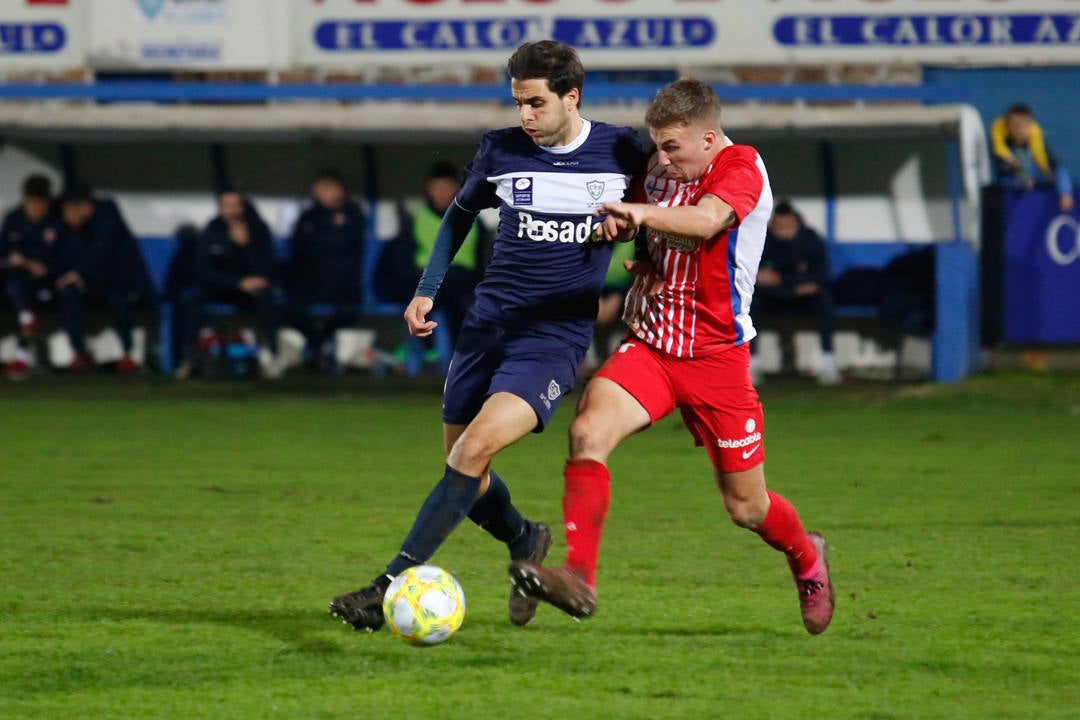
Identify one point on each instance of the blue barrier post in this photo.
(956, 333)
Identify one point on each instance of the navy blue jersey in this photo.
(42, 241)
(545, 265)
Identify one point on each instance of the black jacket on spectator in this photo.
(180, 276)
(220, 263)
(108, 255)
(326, 255)
(803, 259)
(43, 241)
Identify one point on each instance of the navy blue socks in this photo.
(446, 506)
(495, 513)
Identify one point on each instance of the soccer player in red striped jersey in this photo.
(688, 348)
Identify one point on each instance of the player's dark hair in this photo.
(78, 192)
(37, 186)
(556, 62)
(684, 102)
(330, 174)
(784, 207)
(443, 169)
(226, 187)
(1019, 109)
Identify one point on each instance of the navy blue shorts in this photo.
(536, 363)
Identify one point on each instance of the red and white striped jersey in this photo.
(704, 306)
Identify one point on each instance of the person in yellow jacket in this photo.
(1022, 158)
(400, 265)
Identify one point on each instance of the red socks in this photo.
(783, 530)
(585, 505)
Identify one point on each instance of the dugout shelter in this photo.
(877, 170)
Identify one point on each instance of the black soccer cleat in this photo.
(362, 609)
(523, 606)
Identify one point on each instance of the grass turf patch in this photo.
(167, 550)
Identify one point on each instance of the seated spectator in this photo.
(235, 265)
(793, 278)
(325, 262)
(401, 264)
(1023, 159)
(35, 254)
(107, 268)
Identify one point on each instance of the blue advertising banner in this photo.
(41, 36)
(926, 30)
(507, 33)
(1042, 269)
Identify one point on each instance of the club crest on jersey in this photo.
(595, 188)
(523, 191)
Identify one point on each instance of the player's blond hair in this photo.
(684, 102)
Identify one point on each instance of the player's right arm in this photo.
(699, 222)
(475, 192)
(454, 228)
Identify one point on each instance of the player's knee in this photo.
(587, 437)
(471, 450)
(744, 512)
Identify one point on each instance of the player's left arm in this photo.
(700, 222)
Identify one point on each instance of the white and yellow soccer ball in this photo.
(424, 605)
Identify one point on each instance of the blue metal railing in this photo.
(605, 92)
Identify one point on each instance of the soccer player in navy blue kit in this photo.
(532, 320)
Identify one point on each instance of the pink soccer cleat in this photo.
(817, 599)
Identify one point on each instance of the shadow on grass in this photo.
(301, 629)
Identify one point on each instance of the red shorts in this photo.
(718, 401)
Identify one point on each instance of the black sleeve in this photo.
(298, 268)
(818, 256)
(66, 254)
(476, 192)
(485, 245)
(5, 228)
(111, 241)
(810, 251)
(181, 272)
(261, 251)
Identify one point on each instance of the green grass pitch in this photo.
(168, 551)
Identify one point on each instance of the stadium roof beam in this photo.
(419, 122)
